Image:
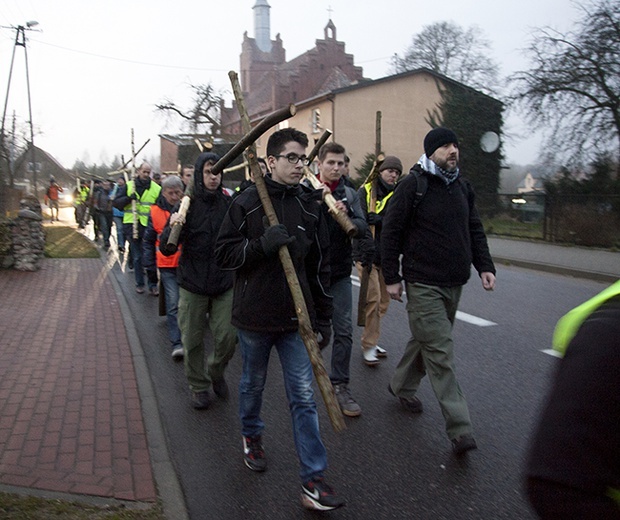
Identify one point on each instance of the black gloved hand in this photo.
(373, 219)
(133, 196)
(274, 238)
(324, 333)
(367, 263)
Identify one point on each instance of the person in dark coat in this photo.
(204, 288)
(264, 312)
(439, 240)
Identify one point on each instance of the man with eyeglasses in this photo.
(263, 309)
(331, 170)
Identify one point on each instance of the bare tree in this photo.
(204, 111)
(447, 48)
(572, 90)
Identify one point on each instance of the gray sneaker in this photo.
(347, 404)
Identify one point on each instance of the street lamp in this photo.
(20, 41)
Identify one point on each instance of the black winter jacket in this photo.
(368, 248)
(198, 271)
(440, 241)
(340, 248)
(262, 300)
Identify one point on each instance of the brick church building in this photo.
(270, 82)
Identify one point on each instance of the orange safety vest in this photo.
(159, 218)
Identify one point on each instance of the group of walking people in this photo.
(225, 274)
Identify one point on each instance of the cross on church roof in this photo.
(330, 11)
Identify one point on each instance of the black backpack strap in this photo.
(420, 190)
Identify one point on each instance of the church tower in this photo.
(261, 25)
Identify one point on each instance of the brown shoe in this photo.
(154, 291)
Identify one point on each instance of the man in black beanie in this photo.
(439, 236)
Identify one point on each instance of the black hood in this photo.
(199, 187)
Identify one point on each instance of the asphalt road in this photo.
(387, 464)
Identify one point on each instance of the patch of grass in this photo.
(66, 242)
(17, 507)
(512, 228)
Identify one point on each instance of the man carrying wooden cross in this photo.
(331, 169)
(145, 193)
(263, 309)
(367, 255)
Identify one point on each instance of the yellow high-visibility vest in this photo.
(143, 203)
(569, 324)
(380, 204)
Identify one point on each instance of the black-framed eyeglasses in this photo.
(293, 158)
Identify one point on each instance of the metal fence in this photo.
(587, 220)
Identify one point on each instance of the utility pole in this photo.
(20, 41)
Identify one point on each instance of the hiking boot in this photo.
(347, 404)
(413, 405)
(201, 400)
(254, 454)
(220, 388)
(380, 352)
(177, 353)
(318, 495)
(463, 444)
(370, 357)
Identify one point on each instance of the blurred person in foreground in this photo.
(573, 468)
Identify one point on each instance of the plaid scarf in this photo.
(433, 169)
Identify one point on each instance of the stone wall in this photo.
(23, 241)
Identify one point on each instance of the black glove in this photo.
(367, 263)
(324, 333)
(274, 238)
(133, 196)
(373, 219)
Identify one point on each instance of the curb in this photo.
(166, 480)
(556, 269)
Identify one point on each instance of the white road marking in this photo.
(552, 352)
(474, 320)
(463, 316)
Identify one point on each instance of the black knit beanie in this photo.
(436, 138)
(391, 161)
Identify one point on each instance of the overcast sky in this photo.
(98, 68)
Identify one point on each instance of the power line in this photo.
(163, 65)
(124, 60)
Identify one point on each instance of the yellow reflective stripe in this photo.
(569, 324)
(380, 204)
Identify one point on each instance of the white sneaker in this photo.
(370, 357)
(380, 352)
(177, 354)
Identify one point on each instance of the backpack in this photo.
(420, 190)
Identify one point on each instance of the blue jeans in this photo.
(120, 236)
(255, 349)
(105, 226)
(170, 286)
(343, 330)
(135, 248)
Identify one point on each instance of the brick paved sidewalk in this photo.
(70, 413)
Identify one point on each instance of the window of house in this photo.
(316, 121)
